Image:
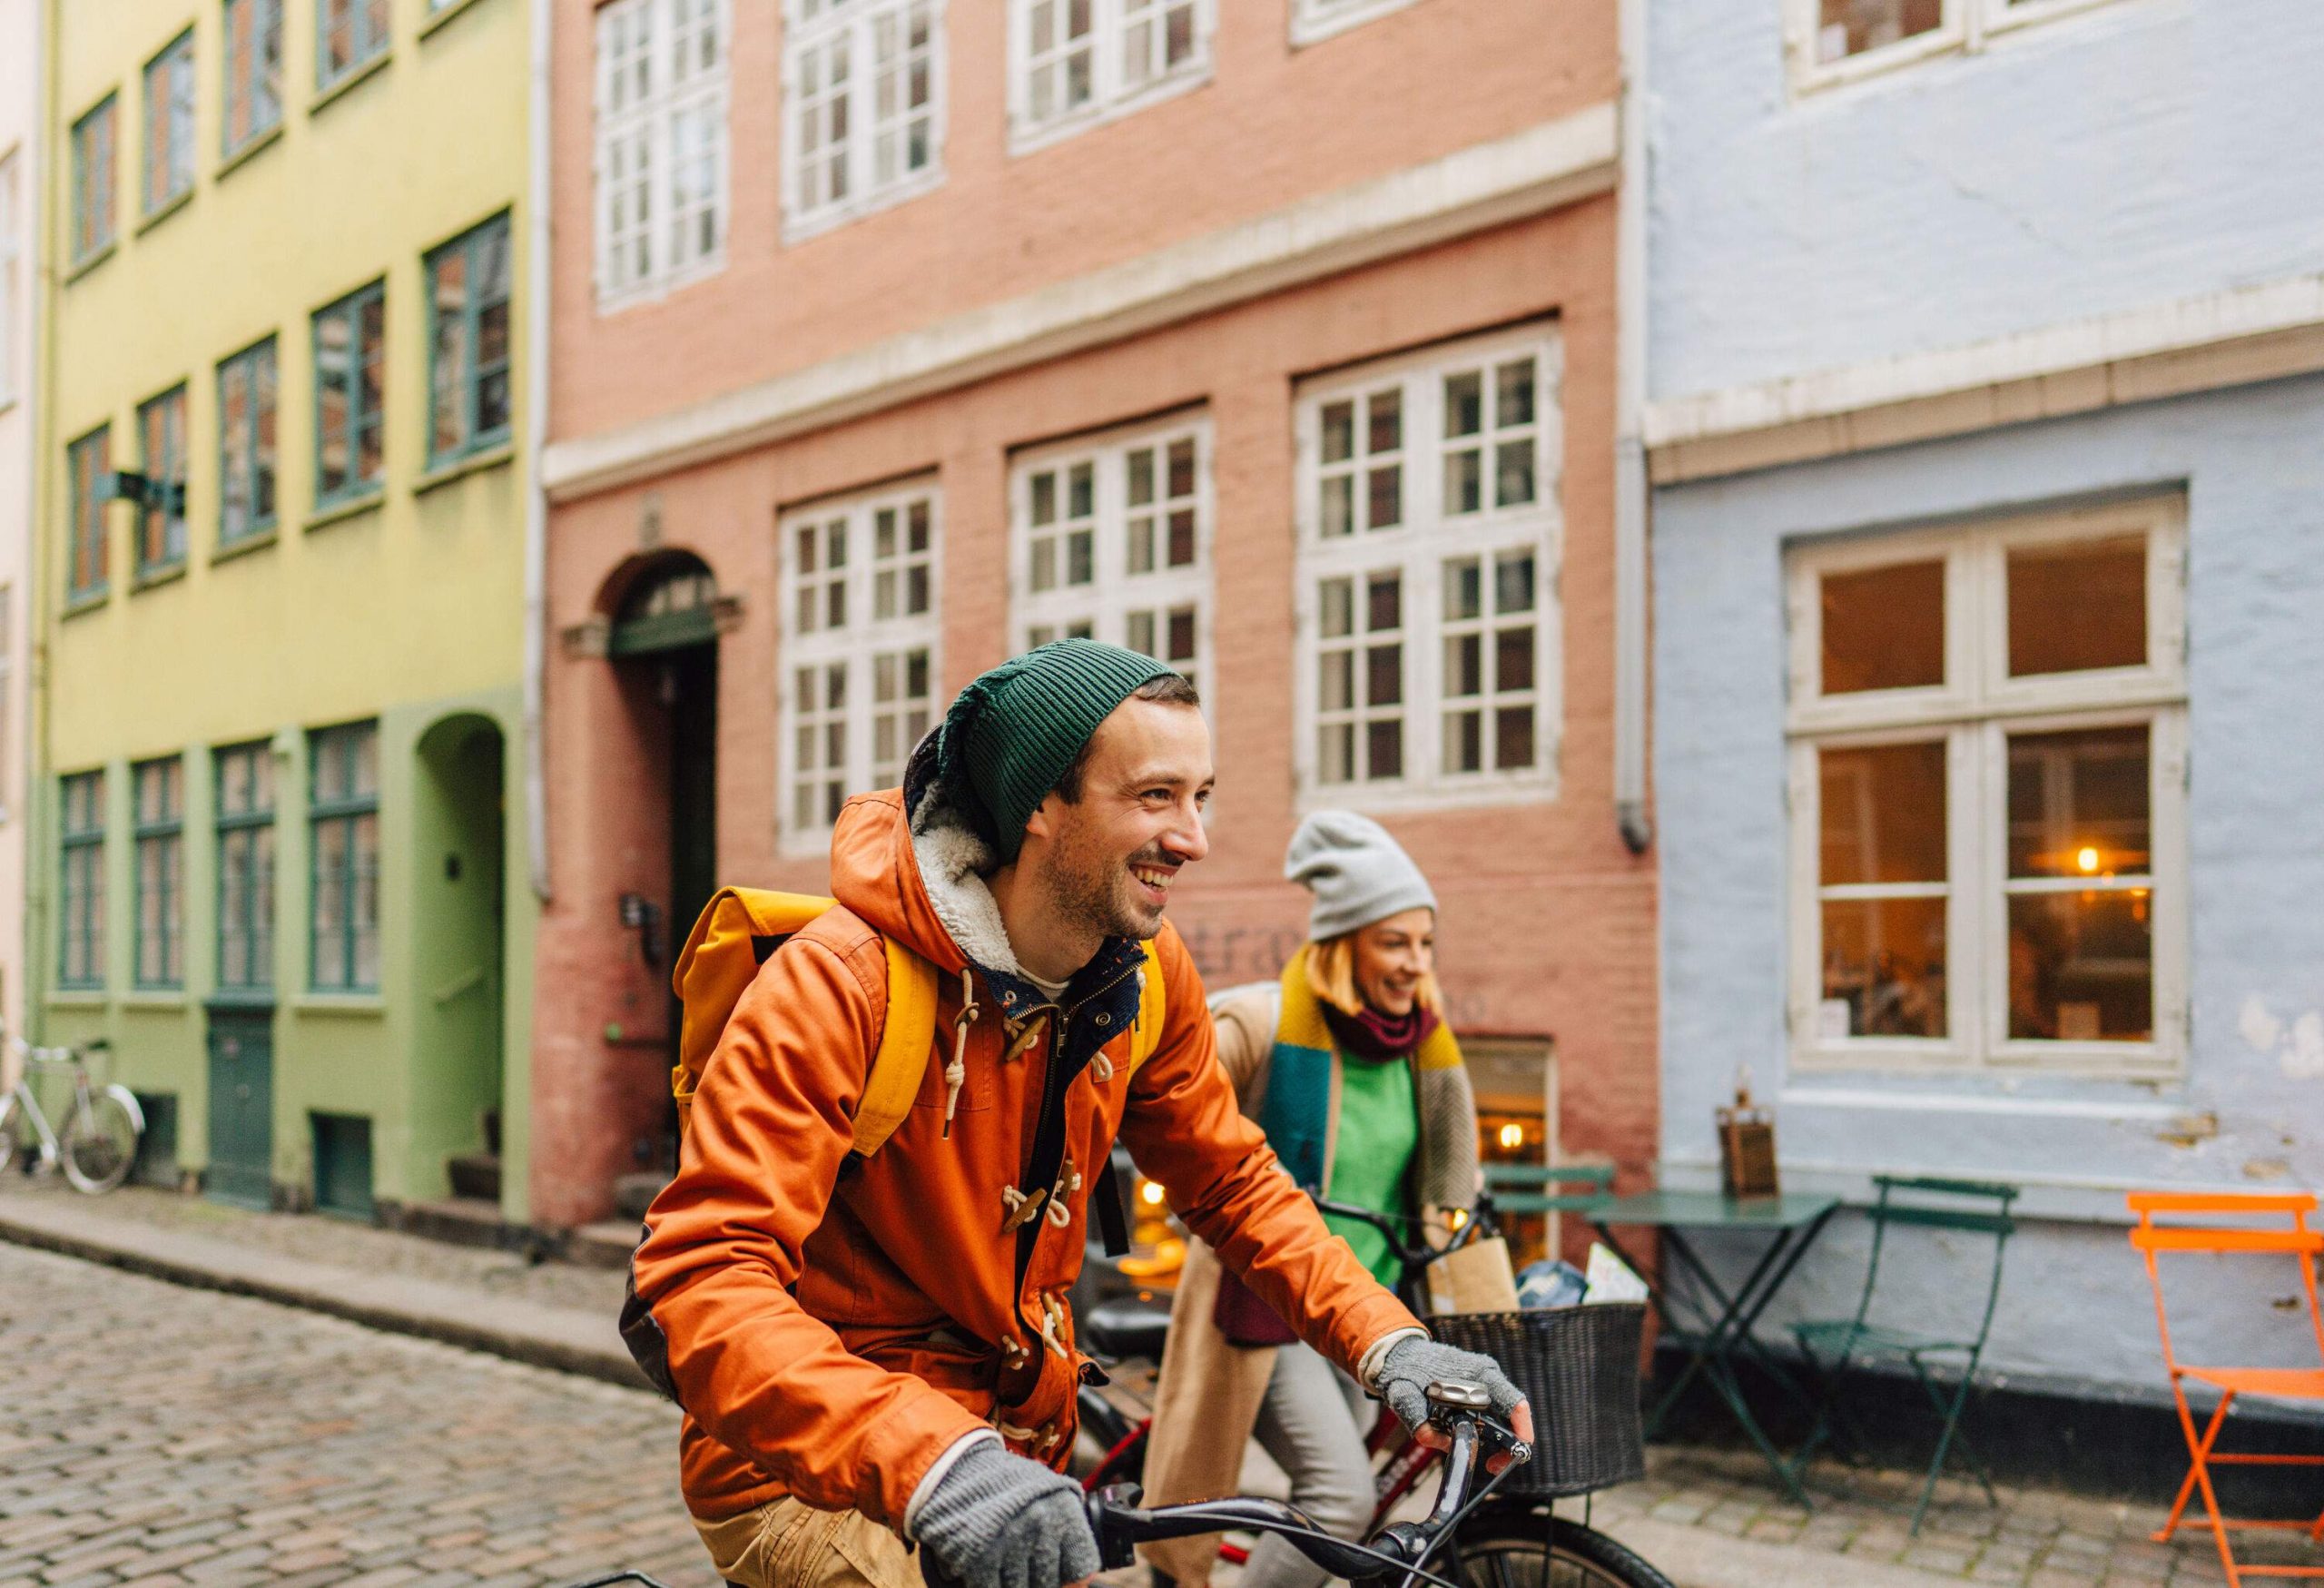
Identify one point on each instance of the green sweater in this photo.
(1379, 1130)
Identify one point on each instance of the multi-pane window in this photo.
(350, 373)
(161, 515)
(859, 650)
(863, 79)
(1428, 541)
(1110, 539)
(343, 841)
(467, 343)
(1837, 41)
(12, 269)
(158, 829)
(89, 464)
(1988, 784)
(246, 444)
(661, 143)
(93, 179)
(169, 125)
(253, 34)
(349, 34)
(245, 817)
(1079, 60)
(81, 881)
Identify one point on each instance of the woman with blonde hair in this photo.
(1348, 1066)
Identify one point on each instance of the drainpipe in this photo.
(35, 764)
(537, 333)
(1631, 490)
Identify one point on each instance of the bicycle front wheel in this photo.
(99, 1144)
(1518, 1549)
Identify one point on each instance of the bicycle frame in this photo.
(20, 1098)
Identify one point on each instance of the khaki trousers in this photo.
(786, 1544)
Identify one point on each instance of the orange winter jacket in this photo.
(832, 1324)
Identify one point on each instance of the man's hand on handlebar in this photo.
(1414, 1364)
(996, 1520)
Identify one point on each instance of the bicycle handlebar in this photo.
(1411, 1255)
(1120, 1523)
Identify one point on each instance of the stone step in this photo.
(475, 1175)
(603, 1246)
(634, 1194)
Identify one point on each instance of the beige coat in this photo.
(1207, 1399)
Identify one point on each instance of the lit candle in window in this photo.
(1512, 1136)
(1149, 1193)
(2087, 858)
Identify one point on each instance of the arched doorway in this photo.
(663, 647)
(459, 919)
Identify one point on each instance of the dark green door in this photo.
(241, 1107)
(692, 690)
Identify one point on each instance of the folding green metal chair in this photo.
(1833, 1346)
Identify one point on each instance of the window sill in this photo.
(491, 456)
(256, 540)
(655, 288)
(1488, 791)
(347, 508)
(444, 15)
(155, 217)
(249, 152)
(1307, 29)
(1024, 140)
(805, 229)
(170, 998)
(78, 998)
(87, 601)
(83, 267)
(360, 1005)
(152, 578)
(355, 77)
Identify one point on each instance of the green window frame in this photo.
(245, 824)
(89, 465)
(93, 219)
(157, 830)
(161, 517)
(80, 881)
(350, 392)
(246, 394)
(467, 343)
(343, 849)
(253, 61)
(169, 124)
(349, 34)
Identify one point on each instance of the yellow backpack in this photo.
(741, 927)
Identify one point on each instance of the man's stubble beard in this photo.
(1090, 889)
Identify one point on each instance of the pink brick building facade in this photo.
(1276, 338)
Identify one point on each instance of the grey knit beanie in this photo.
(1012, 734)
(1357, 872)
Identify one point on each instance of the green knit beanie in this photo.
(1012, 734)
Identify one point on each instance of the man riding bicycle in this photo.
(876, 1353)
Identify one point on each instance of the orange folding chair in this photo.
(2306, 1384)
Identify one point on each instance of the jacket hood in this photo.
(921, 882)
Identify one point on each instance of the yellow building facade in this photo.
(280, 858)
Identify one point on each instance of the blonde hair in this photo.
(1331, 975)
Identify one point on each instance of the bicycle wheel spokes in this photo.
(99, 1144)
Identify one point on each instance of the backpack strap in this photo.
(892, 1084)
(1152, 1002)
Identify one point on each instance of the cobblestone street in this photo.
(155, 1434)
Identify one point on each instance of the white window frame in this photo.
(1314, 21)
(1967, 27)
(856, 644)
(859, 23)
(1112, 97)
(1972, 712)
(657, 127)
(1115, 598)
(1418, 548)
(12, 276)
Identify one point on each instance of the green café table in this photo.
(1717, 1330)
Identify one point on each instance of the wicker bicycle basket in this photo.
(1579, 1367)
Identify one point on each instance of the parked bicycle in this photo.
(97, 1144)
(1578, 1365)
